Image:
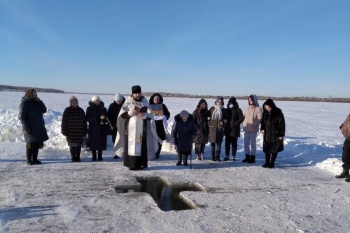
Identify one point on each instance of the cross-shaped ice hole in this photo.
(166, 196)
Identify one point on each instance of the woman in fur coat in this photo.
(273, 128)
(31, 112)
(200, 118)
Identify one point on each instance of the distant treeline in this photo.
(299, 98)
(23, 89)
(180, 95)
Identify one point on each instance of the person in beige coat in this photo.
(252, 119)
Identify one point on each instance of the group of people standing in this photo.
(139, 127)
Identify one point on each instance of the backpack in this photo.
(345, 129)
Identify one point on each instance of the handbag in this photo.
(106, 129)
(345, 128)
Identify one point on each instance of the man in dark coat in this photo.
(161, 114)
(96, 116)
(74, 127)
(183, 131)
(31, 112)
(273, 128)
(232, 127)
(217, 120)
(200, 118)
(113, 112)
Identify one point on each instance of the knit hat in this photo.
(184, 113)
(136, 89)
(95, 97)
(118, 97)
(219, 99)
(73, 98)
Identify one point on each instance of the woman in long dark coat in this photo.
(31, 112)
(96, 116)
(217, 120)
(74, 127)
(161, 115)
(273, 128)
(232, 127)
(200, 118)
(183, 131)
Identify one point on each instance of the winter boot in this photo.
(267, 161)
(35, 156)
(217, 156)
(100, 155)
(234, 154)
(273, 159)
(179, 161)
(185, 160)
(93, 155)
(29, 155)
(226, 158)
(213, 152)
(72, 153)
(252, 159)
(344, 174)
(77, 153)
(197, 157)
(247, 158)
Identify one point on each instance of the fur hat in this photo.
(118, 97)
(184, 113)
(136, 89)
(73, 98)
(95, 97)
(29, 93)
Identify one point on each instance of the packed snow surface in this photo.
(299, 195)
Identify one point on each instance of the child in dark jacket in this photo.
(183, 132)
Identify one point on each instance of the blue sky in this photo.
(233, 47)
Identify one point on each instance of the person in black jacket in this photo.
(273, 128)
(232, 127)
(113, 112)
(74, 127)
(161, 114)
(200, 118)
(183, 131)
(96, 117)
(31, 112)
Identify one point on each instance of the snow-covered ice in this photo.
(299, 195)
